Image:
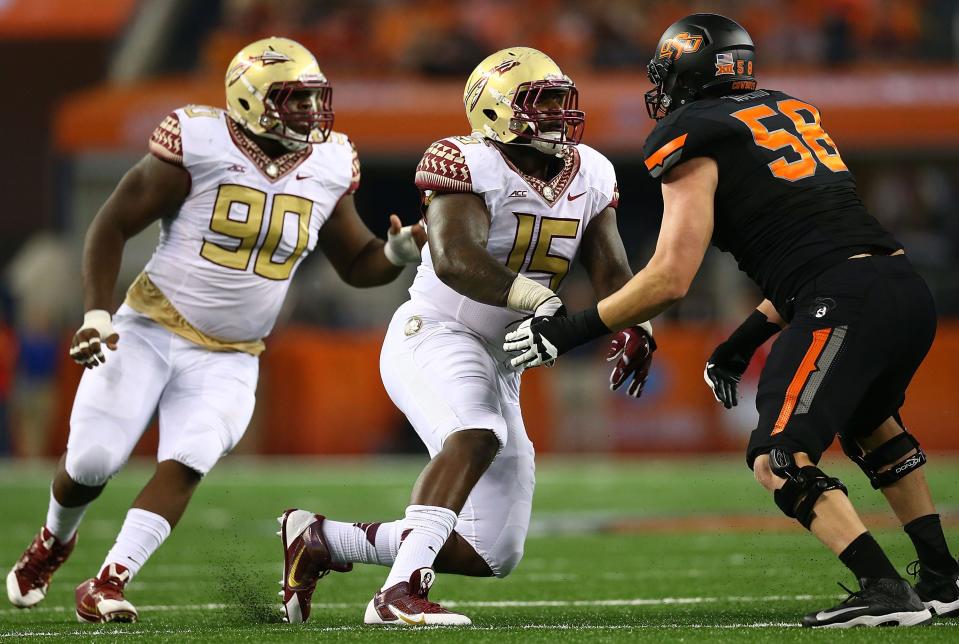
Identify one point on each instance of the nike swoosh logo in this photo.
(291, 580)
(304, 176)
(409, 619)
(575, 197)
(830, 614)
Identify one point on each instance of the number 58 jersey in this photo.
(786, 205)
(225, 260)
(535, 229)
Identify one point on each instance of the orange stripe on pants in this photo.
(806, 367)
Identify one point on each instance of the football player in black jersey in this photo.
(753, 172)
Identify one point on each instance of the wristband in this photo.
(99, 320)
(525, 295)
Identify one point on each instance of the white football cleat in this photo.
(29, 579)
(306, 559)
(101, 599)
(406, 604)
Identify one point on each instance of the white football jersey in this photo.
(535, 226)
(225, 260)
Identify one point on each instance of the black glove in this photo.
(540, 340)
(726, 365)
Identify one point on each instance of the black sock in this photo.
(866, 559)
(926, 534)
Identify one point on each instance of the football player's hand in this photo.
(632, 349)
(723, 371)
(403, 243)
(96, 330)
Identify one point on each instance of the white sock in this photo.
(61, 521)
(369, 543)
(428, 529)
(142, 533)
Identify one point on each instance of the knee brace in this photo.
(804, 486)
(895, 451)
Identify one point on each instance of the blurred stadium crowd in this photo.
(438, 37)
(913, 193)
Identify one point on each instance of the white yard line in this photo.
(534, 603)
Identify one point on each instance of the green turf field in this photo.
(623, 550)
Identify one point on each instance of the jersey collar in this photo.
(550, 191)
(272, 169)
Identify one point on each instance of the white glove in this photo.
(401, 248)
(87, 346)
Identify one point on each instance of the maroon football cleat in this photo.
(406, 604)
(29, 579)
(101, 599)
(306, 559)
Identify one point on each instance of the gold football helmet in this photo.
(260, 83)
(519, 95)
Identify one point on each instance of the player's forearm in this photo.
(607, 283)
(646, 295)
(471, 271)
(102, 255)
(371, 267)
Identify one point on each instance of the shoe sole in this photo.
(292, 611)
(372, 618)
(943, 609)
(121, 617)
(910, 618)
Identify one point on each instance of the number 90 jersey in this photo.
(225, 260)
(786, 205)
(535, 226)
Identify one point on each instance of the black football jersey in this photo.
(786, 205)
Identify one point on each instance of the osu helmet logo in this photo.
(680, 44)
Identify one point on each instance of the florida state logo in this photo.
(680, 44)
(476, 90)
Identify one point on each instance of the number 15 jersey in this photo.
(786, 205)
(535, 226)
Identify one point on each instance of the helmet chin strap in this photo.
(286, 139)
(545, 147)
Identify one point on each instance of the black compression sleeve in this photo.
(742, 344)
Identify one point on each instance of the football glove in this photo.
(632, 349)
(87, 346)
(544, 339)
(726, 365)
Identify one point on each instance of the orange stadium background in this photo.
(890, 100)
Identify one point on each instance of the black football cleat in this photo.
(880, 602)
(938, 591)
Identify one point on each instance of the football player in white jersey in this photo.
(242, 195)
(508, 209)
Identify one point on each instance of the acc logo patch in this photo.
(680, 44)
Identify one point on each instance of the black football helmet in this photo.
(702, 55)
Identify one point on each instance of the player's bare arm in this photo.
(687, 227)
(150, 190)
(604, 256)
(361, 258)
(605, 260)
(458, 231)
(686, 230)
